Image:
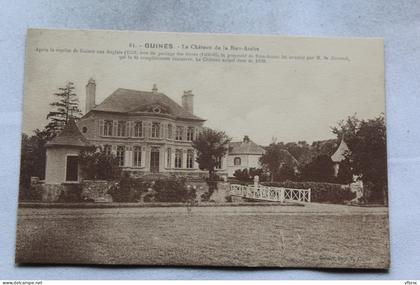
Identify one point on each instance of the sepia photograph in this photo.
(183, 149)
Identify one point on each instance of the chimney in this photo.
(90, 95)
(188, 101)
(154, 89)
(246, 139)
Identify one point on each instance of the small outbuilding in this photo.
(62, 161)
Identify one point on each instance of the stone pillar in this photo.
(147, 159)
(224, 162)
(128, 156)
(256, 181)
(165, 157)
(143, 157)
(173, 158)
(162, 159)
(184, 158)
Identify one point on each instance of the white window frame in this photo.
(155, 133)
(137, 151)
(121, 128)
(137, 131)
(178, 159)
(179, 136)
(190, 159)
(108, 132)
(190, 133)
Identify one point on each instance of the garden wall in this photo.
(97, 190)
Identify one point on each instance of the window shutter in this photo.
(128, 129)
(114, 128)
(101, 127)
(161, 130)
(148, 129)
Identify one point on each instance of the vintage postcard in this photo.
(179, 149)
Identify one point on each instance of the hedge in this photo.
(163, 190)
(321, 192)
(129, 189)
(173, 190)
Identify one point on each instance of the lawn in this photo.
(237, 236)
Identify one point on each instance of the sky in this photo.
(290, 100)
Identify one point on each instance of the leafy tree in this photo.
(211, 146)
(32, 159)
(97, 164)
(324, 147)
(278, 162)
(301, 151)
(247, 174)
(366, 140)
(345, 173)
(319, 170)
(66, 107)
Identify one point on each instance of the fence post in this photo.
(256, 181)
(309, 195)
(282, 194)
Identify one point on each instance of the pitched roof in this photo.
(69, 136)
(127, 100)
(246, 146)
(340, 154)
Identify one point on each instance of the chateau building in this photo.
(146, 130)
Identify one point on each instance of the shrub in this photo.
(248, 174)
(129, 189)
(173, 190)
(320, 192)
(164, 190)
(72, 194)
(212, 186)
(96, 163)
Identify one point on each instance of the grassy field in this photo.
(237, 236)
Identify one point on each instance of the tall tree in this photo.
(320, 169)
(366, 140)
(279, 162)
(211, 146)
(32, 160)
(96, 163)
(65, 107)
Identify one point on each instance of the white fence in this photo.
(267, 193)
